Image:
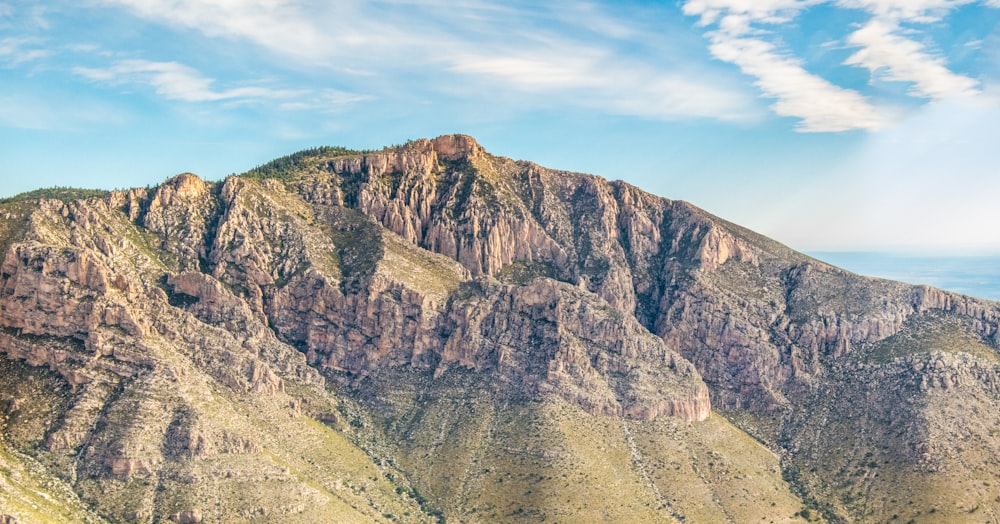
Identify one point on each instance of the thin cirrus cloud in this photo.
(744, 30)
(175, 81)
(15, 51)
(578, 54)
(504, 49)
(531, 72)
(604, 81)
(326, 34)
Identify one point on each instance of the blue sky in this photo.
(829, 125)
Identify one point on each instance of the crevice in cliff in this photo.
(462, 177)
(138, 206)
(349, 183)
(87, 457)
(359, 244)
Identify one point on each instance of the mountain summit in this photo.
(430, 332)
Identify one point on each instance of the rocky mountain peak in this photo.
(200, 339)
(454, 147)
(178, 191)
(185, 186)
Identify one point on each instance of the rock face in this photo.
(339, 271)
(756, 318)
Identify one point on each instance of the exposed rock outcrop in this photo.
(429, 261)
(757, 319)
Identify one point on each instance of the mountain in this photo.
(430, 332)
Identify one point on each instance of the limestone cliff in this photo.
(385, 304)
(148, 302)
(756, 318)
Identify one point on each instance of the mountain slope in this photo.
(431, 331)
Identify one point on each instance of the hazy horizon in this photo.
(977, 276)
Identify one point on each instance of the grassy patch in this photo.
(429, 273)
(521, 273)
(711, 471)
(148, 244)
(481, 456)
(933, 331)
(29, 493)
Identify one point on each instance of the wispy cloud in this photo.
(514, 47)
(742, 36)
(15, 51)
(917, 11)
(328, 100)
(820, 105)
(24, 16)
(767, 11)
(603, 81)
(321, 33)
(531, 72)
(902, 59)
(174, 81)
(578, 54)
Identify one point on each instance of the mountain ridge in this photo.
(390, 303)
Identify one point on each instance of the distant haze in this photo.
(978, 276)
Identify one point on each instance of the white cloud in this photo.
(174, 81)
(744, 28)
(919, 11)
(564, 55)
(24, 16)
(821, 106)
(884, 50)
(315, 32)
(906, 60)
(656, 95)
(16, 50)
(530, 72)
(545, 55)
(600, 80)
(769, 11)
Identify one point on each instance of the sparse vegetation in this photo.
(63, 193)
(934, 331)
(520, 273)
(290, 166)
(153, 404)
